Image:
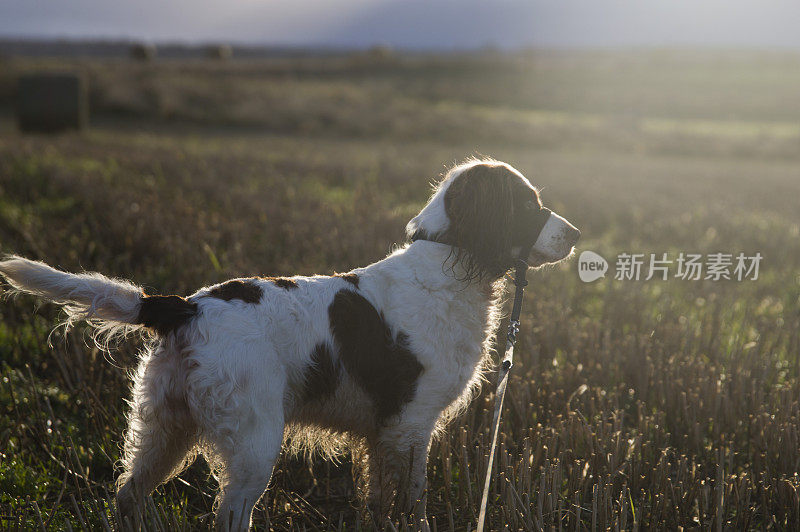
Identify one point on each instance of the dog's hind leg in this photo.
(160, 434)
(247, 467)
(247, 438)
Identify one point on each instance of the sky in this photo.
(415, 24)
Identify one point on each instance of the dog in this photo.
(383, 355)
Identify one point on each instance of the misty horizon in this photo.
(415, 24)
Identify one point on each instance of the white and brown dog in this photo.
(384, 354)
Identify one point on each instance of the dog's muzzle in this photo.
(555, 236)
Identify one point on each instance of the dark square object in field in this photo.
(48, 103)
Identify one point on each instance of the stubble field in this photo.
(633, 404)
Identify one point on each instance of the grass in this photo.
(633, 405)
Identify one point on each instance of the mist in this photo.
(417, 24)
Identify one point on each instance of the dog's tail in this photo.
(112, 306)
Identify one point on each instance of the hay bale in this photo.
(143, 52)
(48, 103)
(381, 52)
(221, 52)
(378, 55)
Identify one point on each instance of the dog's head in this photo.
(490, 213)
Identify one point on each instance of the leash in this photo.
(502, 380)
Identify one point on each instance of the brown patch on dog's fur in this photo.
(382, 365)
(351, 278)
(322, 375)
(245, 290)
(282, 282)
(487, 208)
(165, 314)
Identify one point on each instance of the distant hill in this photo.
(92, 48)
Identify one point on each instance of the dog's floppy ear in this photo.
(479, 204)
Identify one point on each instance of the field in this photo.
(633, 404)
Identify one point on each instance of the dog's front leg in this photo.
(397, 473)
(411, 495)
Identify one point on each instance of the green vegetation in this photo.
(657, 404)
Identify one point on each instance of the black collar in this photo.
(420, 234)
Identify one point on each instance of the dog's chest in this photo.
(464, 345)
(449, 332)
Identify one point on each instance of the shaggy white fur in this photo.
(258, 359)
